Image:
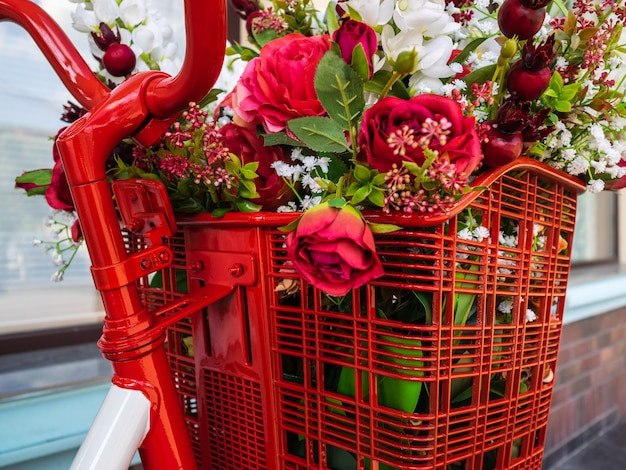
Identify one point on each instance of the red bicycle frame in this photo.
(142, 107)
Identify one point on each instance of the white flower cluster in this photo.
(61, 248)
(422, 27)
(141, 27)
(602, 152)
(506, 305)
(310, 172)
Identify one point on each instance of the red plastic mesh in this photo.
(260, 376)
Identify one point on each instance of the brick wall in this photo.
(590, 389)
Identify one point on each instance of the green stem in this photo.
(394, 78)
(561, 6)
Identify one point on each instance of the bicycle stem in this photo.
(142, 107)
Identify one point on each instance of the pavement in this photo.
(605, 452)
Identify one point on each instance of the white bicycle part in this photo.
(116, 433)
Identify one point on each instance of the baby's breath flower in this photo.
(595, 186)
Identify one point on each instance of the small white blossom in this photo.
(309, 202)
(323, 163)
(311, 183)
(578, 166)
(595, 186)
(480, 233)
(530, 316)
(465, 234)
(506, 306)
(289, 207)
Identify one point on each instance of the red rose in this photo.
(396, 130)
(279, 84)
(58, 193)
(350, 34)
(333, 249)
(244, 143)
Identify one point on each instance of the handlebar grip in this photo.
(205, 23)
(69, 65)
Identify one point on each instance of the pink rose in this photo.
(396, 130)
(244, 143)
(350, 34)
(333, 249)
(279, 84)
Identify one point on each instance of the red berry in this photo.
(525, 84)
(119, 60)
(500, 148)
(516, 19)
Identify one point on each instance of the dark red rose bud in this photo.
(350, 34)
(250, 20)
(521, 18)
(119, 60)
(106, 37)
(58, 193)
(244, 7)
(500, 148)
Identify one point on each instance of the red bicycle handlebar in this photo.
(164, 97)
(205, 26)
(141, 107)
(71, 68)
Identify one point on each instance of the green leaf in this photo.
(279, 138)
(319, 134)
(337, 202)
(383, 228)
(556, 81)
(377, 197)
(360, 195)
(264, 37)
(380, 79)
(332, 22)
(467, 50)
(464, 301)
(396, 393)
(210, 97)
(340, 90)
(569, 92)
(427, 302)
(248, 173)
(221, 211)
(40, 179)
(336, 167)
(563, 106)
(246, 53)
(379, 179)
(480, 76)
(247, 206)
(361, 173)
(360, 63)
(290, 227)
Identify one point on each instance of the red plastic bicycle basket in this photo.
(445, 362)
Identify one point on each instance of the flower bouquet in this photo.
(391, 187)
